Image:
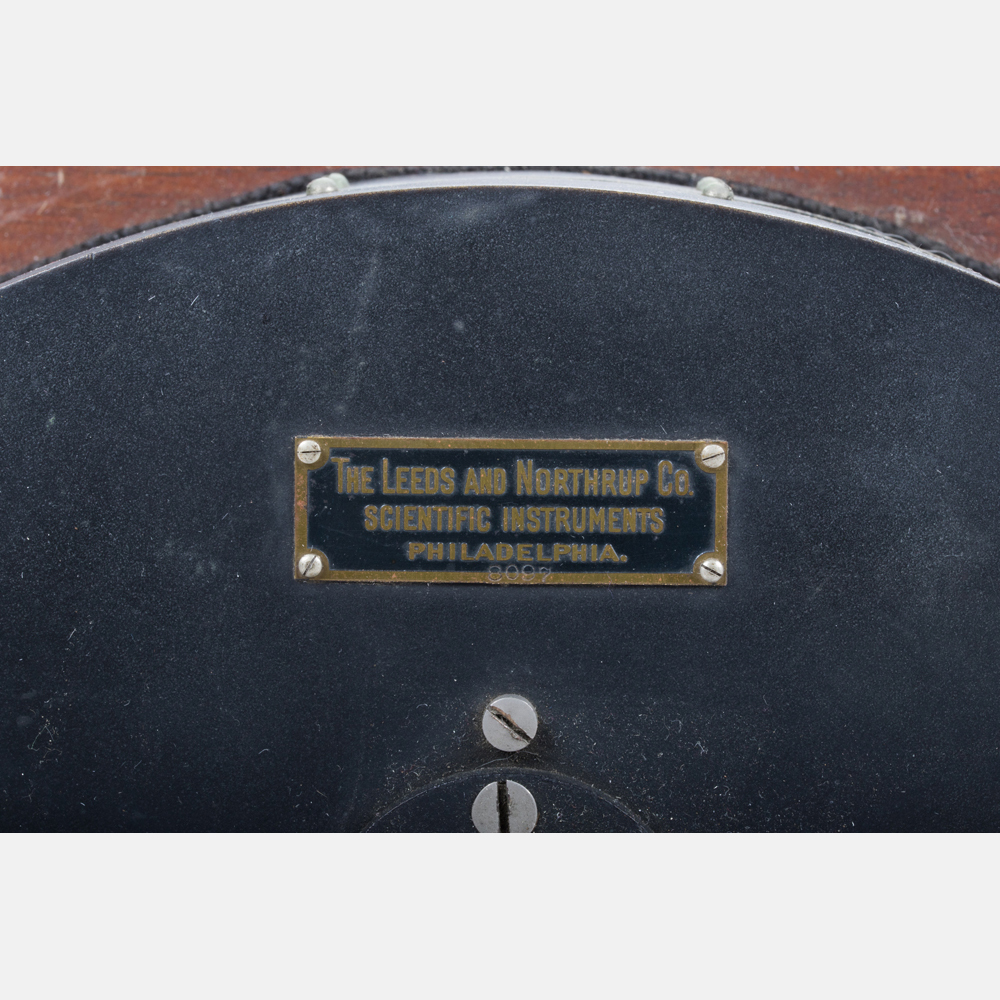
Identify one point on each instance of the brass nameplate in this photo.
(456, 510)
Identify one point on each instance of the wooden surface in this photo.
(957, 206)
(45, 210)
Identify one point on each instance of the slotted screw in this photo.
(510, 722)
(714, 187)
(712, 570)
(504, 807)
(327, 184)
(308, 451)
(310, 565)
(713, 455)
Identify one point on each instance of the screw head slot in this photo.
(510, 722)
(504, 807)
(310, 565)
(712, 570)
(308, 451)
(713, 455)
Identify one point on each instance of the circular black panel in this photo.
(564, 806)
(163, 669)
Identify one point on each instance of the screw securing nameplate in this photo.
(308, 451)
(504, 511)
(310, 565)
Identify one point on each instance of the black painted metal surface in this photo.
(162, 669)
(564, 805)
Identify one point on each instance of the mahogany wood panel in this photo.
(957, 206)
(45, 210)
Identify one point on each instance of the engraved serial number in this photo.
(518, 574)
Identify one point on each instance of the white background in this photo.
(200, 82)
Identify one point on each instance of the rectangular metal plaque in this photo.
(456, 510)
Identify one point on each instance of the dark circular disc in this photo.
(164, 669)
(565, 805)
